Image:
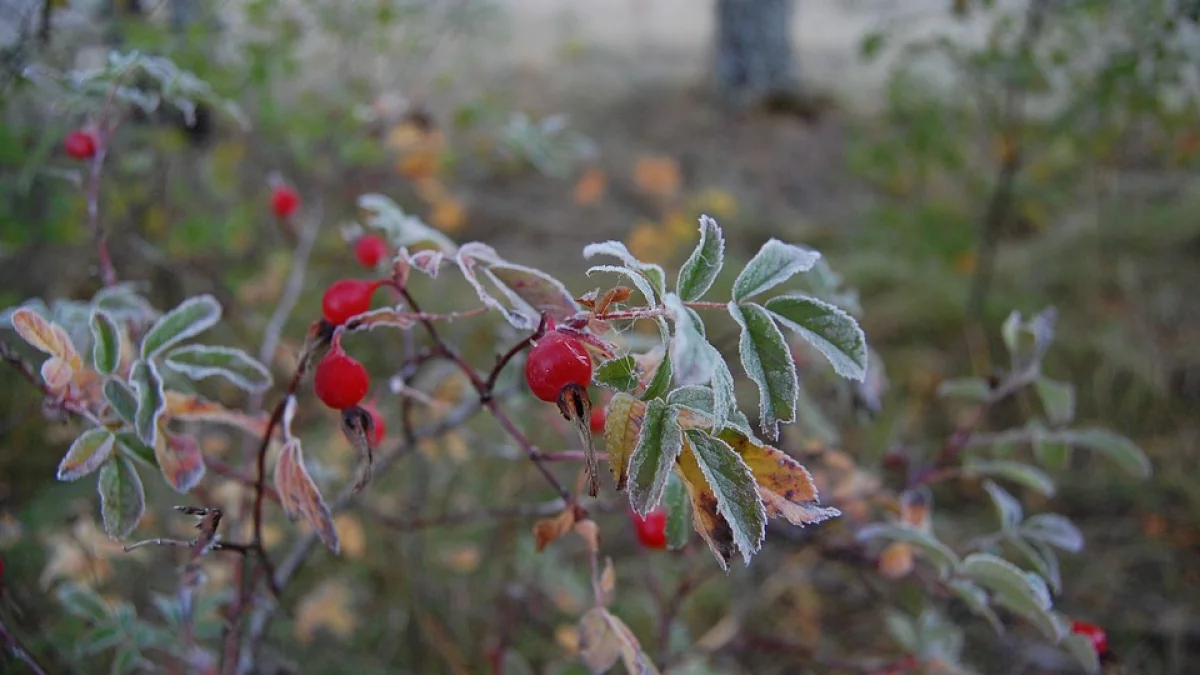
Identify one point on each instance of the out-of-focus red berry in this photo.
(346, 298)
(377, 423)
(1092, 632)
(370, 249)
(651, 530)
(284, 201)
(598, 419)
(80, 145)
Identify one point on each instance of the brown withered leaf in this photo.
(589, 532)
(191, 408)
(359, 428)
(706, 518)
(786, 487)
(608, 582)
(621, 428)
(180, 459)
(613, 296)
(547, 530)
(576, 407)
(603, 639)
(299, 496)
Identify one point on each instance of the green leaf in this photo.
(660, 384)
(678, 516)
(768, 362)
(976, 599)
(700, 399)
(121, 399)
(659, 443)
(1020, 589)
(239, 368)
(106, 343)
(826, 327)
(636, 279)
(192, 317)
(1082, 649)
(1116, 447)
(701, 268)
(83, 602)
(102, 639)
(132, 447)
(1054, 455)
(775, 263)
(691, 359)
(122, 500)
(620, 374)
(871, 44)
(152, 401)
(969, 388)
(1007, 507)
(1017, 472)
(87, 453)
(938, 553)
(653, 274)
(1058, 400)
(737, 492)
(1055, 530)
(1042, 559)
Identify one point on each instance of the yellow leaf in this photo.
(679, 226)
(591, 187)
(707, 520)
(547, 530)
(192, 408)
(38, 332)
(431, 191)
(567, 637)
(463, 559)
(448, 215)
(718, 204)
(351, 534)
(57, 373)
(621, 428)
(785, 486)
(649, 242)
(404, 136)
(327, 607)
(299, 496)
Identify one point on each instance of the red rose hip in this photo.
(370, 249)
(340, 380)
(346, 298)
(80, 145)
(284, 201)
(376, 423)
(1093, 633)
(556, 361)
(651, 530)
(598, 419)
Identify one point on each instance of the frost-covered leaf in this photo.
(785, 486)
(976, 599)
(539, 290)
(122, 400)
(706, 518)
(132, 447)
(738, 500)
(1052, 454)
(620, 374)
(968, 388)
(769, 364)
(234, 365)
(699, 399)
(401, 228)
(701, 268)
(122, 500)
(192, 408)
(83, 602)
(46, 337)
(1042, 559)
(87, 453)
(691, 359)
(1053, 529)
(652, 273)
(519, 293)
(604, 639)
(191, 318)
(1008, 509)
(106, 343)
(775, 263)
(299, 496)
(1058, 400)
(1081, 648)
(938, 553)
(1018, 472)
(124, 303)
(676, 502)
(635, 278)
(180, 459)
(152, 402)
(1017, 587)
(659, 443)
(1122, 451)
(660, 384)
(622, 429)
(826, 327)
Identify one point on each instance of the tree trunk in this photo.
(754, 60)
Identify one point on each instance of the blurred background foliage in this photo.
(1078, 126)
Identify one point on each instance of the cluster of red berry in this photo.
(1095, 634)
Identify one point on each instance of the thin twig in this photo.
(18, 650)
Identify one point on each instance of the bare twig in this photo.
(14, 646)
